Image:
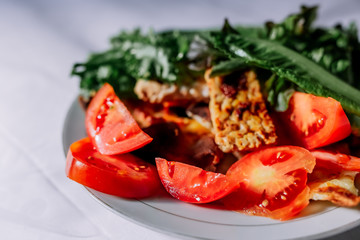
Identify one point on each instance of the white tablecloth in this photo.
(39, 42)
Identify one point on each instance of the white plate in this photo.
(202, 221)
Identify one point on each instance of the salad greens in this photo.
(335, 49)
(289, 49)
(294, 54)
(287, 64)
(133, 56)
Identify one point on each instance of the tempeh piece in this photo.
(238, 112)
(338, 188)
(156, 92)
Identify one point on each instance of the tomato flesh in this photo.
(271, 182)
(121, 175)
(316, 121)
(110, 125)
(192, 184)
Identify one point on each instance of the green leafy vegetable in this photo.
(355, 124)
(293, 26)
(321, 61)
(279, 92)
(288, 64)
(336, 49)
(178, 57)
(133, 55)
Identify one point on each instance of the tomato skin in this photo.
(192, 184)
(110, 125)
(271, 182)
(315, 121)
(336, 160)
(122, 175)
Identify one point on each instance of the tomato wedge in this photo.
(110, 125)
(121, 175)
(192, 184)
(271, 182)
(316, 121)
(336, 160)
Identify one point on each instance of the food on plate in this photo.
(105, 173)
(335, 176)
(262, 120)
(110, 125)
(238, 110)
(331, 159)
(335, 186)
(271, 182)
(192, 184)
(311, 122)
(155, 92)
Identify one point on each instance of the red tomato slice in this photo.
(192, 184)
(121, 175)
(271, 182)
(336, 160)
(110, 125)
(316, 121)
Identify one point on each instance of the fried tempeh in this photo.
(238, 112)
(338, 187)
(156, 92)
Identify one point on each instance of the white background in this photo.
(39, 42)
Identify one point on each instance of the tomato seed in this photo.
(171, 169)
(265, 203)
(279, 156)
(121, 172)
